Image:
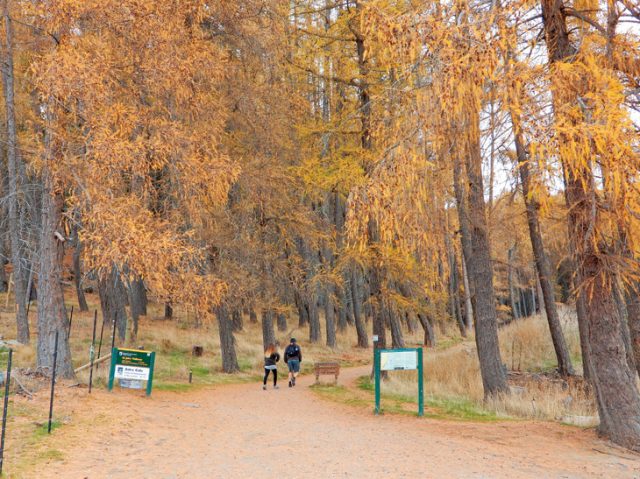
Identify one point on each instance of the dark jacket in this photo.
(272, 360)
(293, 351)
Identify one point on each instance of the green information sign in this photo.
(398, 360)
(132, 366)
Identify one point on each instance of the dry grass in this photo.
(454, 374)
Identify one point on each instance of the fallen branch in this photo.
(88, 365)
(21, 386)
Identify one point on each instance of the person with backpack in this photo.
(293, 358)
(271, 357)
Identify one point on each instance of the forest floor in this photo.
(239, 430)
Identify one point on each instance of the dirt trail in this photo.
(240, 431)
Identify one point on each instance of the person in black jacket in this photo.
(293, 358)
(271, 357)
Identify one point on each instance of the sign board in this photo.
(398, 360)
(393, 360)
(130, 367)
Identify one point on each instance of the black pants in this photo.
(266, 375)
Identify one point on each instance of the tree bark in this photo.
(330, 321)
(632, 301)
(227, 341)
(429, 333)
(268, 334)
(303, 315)
(237, 321)
(113, 296)
(361, 329)
(282, 322)
(512, 289)
(468, 308)
(477, 253)
(77, 270)
(314, 319)
(395, 325)
(52, 315)
(621, 307)
(565, 368)
(138, 304)
(16, 181)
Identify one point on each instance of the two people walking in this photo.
(292, 356)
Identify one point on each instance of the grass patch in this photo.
(339, 394)
(462, 409)
(458, 408)
(43, 429)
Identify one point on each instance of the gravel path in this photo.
(241, 431)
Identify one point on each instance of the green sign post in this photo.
(398, 360)
(132, 365)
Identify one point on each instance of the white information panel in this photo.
(394, 360)
(132, 372)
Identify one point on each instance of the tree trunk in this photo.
(454, 297)
(77, 271)
(583, 330)
(468, 308)
(565, 368)
(361, 328)
(621, 308)
(52, 315)
(616, 391)
(343, 311)
(113, 295)
(303, 315)
(314, 319)
(268, 334)
(330, 321)
(168, 311)
(512, 288)
(632, 300)
(395, 325)
(477, 254)
(253, 317)
(16, 181)
(282, 322)
(227, 341)
(429, 333)
(542, 303)
(377, 301)
(4, 281)
(138, 304)
(237, 322)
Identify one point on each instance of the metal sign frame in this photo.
(134, 353)
(419, 367)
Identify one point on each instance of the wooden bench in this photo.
(327, 368)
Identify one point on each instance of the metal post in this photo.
(100, 343)
(4, 409)
(376, 368)
(91, 351)
(152, 365)
(420, 384)
(70, 320)
(190, 375)
(53, 382)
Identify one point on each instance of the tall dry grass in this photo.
(454, 374)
